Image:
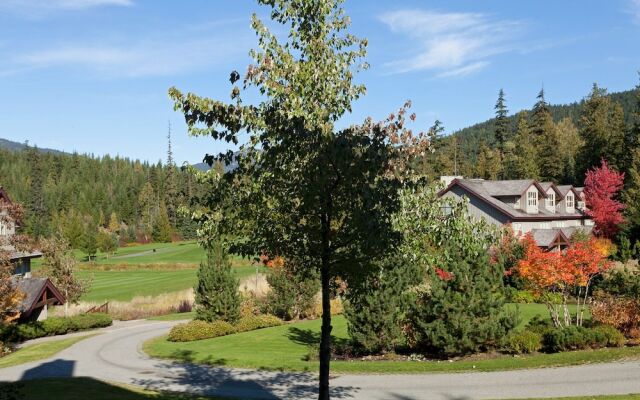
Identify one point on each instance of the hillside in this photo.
(471, 136)
(15, 146)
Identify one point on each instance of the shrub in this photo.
(610, 336)
(525, 342)
(198, 330)
(569, 338)
(53, 326)
(623, 313)
(539, 325)
(292, 294)
(523, 297)
(577, 338)
(254, 322)
(184, 306)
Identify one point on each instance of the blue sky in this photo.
(92, 75)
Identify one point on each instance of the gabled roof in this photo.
(483, 190)
(568, 188)
(4, 196)
(547, 185)
(33, 289)
(549, 237)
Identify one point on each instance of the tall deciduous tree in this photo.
(302, 189)
(524, 164)
(601, 189)
(60, 266)
(10, 295)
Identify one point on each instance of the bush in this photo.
(53, 326)
(610, 336)
(578, 338)
(253, 322)
(522, 297)
(292, 295)
(198, 330)
(539, 325)
(622, 313)
(525, 342)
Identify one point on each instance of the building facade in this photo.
(551, 213)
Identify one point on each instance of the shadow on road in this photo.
(217, 381)
(52, 369)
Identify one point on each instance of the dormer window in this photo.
(532, 201)
(570, 202)
(551, 202)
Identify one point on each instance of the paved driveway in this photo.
(116, 356)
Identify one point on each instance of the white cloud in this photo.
(42, 8)
(450, 44)
(131, 60)
(634, 10)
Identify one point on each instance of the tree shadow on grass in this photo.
(311, 338)
(187, 356)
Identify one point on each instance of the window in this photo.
(544, 225)
(580, 205)
(446, 209)
(517, 228)
(560, 224)
(551, 202)
(532, 199)
(516, 205)
(570, 203)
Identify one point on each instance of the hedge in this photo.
(198, 330)
(53, 326)
(525, 342)
(578, 338)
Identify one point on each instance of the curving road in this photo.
(116, 356)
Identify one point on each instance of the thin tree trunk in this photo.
(325, 338)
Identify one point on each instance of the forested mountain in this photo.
(83, 196)
(475, 152)
(11, 145)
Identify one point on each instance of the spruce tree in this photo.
(170, 189)
(602, 129)
(631, 193)
(36, 210)
(162, 227)
(375, 308)
(216, 293)
(502, 123)
(525, 153)
(546, 141)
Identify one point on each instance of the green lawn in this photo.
(139, 271)
(39, 351)
(286, 348)
(84, 388)
(174, 317)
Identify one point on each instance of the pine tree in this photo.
(570, 144)
(216, 293)
(170, 190)
(546, 141)
(375, 307)
(36, 211)
(146, 204)
(631, 193)
(525, 153)
(162, 227)
(602, 129)
(502, 123)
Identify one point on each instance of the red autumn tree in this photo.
(563, 273)
(601, 187)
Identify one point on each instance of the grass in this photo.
(174, 317)
(85, 388)
(287, 347)
(39, 351)
(139, 271)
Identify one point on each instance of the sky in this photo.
(92, 75)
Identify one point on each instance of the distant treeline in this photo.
(81, 196)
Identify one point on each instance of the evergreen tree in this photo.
(488, 164)
(525, 153)
(502, 123)
(216, 293)
(546, 141)
(602, 130)
(570, 144)
(36, 211)
(631, 193)
(114, 224)
(375, 308)
(90, 241)
(162, 227)
(170, 189)
(147, 205)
